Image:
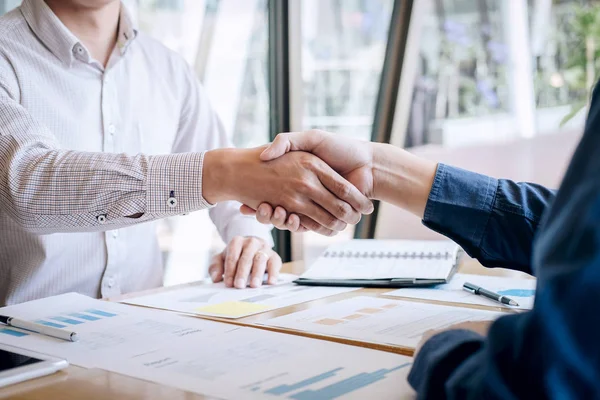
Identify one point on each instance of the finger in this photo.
(345, 191)
(293, 223)
(339, 209)
(264, 214)
(245, 210)
(292, 141)
(312, 225)
(279, 217)
(273, 268)
(258, 268)
(232, 255)
(244, 264)
(216, 268)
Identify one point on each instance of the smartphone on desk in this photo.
(18, 365)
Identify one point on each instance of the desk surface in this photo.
(92, 384)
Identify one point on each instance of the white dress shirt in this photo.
(83, 148)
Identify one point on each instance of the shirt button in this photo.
(110, 282)
(101, 218)
(112, 129)
(172, 202)
(78, 49)
(115, 234)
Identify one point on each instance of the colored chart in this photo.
(333, 390)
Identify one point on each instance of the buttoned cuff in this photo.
(460, 204)
(174, 184)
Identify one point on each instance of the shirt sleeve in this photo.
(493, 220)
(551, 351)
(47, 189)
(200, 129)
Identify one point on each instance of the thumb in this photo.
(293, 141)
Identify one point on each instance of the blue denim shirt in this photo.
(552, 351)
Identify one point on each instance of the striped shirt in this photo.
(84, 148)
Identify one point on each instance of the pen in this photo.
(39, 328)
(469, 287)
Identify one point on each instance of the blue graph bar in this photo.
(346, 386)
(67, 320)
(10, 332)
(84, 316)
(52, 324)
(101, 313)
(518, 292)
(283, 389)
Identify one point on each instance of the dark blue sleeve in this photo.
(493, 220)
(552, 351)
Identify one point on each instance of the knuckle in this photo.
(344, 189)
(344, 211)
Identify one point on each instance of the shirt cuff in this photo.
(174, 184)
(459, 205)
(439, 357)
(248, 226)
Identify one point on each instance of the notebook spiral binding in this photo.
(382, 254)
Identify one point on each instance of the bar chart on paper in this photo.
(305, 390)
(379, 320)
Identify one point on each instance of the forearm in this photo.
(493, 220)
(401, 178)
(48, 190)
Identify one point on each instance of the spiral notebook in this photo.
(384, 263)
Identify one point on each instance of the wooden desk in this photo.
(92, 384)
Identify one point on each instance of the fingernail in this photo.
(229, 282)
(255, 282)
(262, 212)
(240, 283)
(214, 276)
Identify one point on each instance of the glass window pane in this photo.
(343, 46)
(226, 43)
(492, 71)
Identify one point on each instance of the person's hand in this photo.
(481, 327)
(380, 171)
(300, 182)
(353, 159)
(245, 261)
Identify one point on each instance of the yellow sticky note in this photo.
(233, 309)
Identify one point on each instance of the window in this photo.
(226, 43)
(342, 47)
(492, 71)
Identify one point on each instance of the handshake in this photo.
(316, 180)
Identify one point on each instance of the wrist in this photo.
(216, 176)
(401, 178)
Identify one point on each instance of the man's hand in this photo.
(300, 182)
(352, 159)
(245, 261)
(379, 171)
(481, 327)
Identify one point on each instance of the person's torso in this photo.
(129, 108)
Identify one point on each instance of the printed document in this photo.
(520, 290)
(207, 357)
(216, 300)
(379, 320)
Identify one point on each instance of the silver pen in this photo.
(39, 328)
(478, 290)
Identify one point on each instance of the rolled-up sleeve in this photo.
(493, 220)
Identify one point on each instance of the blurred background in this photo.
(500, 87)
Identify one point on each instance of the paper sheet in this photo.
(383, 259)
(378, 320)
(211, 358)
(219, 301)
(520, 290)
